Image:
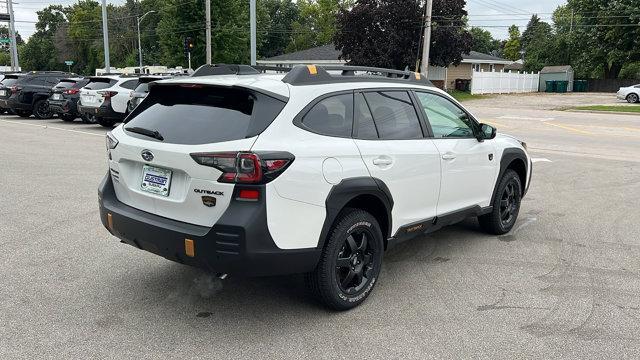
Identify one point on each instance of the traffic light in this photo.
(188, 44)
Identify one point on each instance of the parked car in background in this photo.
(106, 97)
(29, 94)
(630, 93)
(141, 91)
(63, 100)
(5, 91)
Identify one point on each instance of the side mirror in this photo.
(487, 132)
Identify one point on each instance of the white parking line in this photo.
(513, 117)
(536, 160)
(53, 127)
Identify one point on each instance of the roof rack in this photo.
(318, 74)
(225, 69)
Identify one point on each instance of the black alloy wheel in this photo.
(41, 110)
(509, 204)
(350, 262)
(354, 263)
(506, 205)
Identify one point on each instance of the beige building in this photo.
(474, 61)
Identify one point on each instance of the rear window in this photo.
(65, 84)
(204, 115)
(99, 84)
(10, 81)
(142, 87)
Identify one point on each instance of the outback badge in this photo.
(209, 201)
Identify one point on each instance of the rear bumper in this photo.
(67, 106)
(104, 111)
(239, 243)
(12, 103)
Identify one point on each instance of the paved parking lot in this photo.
(564, 284)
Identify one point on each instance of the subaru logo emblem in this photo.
(147, 155)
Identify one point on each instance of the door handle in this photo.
(448, 156)
(382, 161)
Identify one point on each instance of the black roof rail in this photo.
(318, 74)
(225, 69)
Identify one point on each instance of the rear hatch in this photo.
(64, 89)
(6, 85)
(93, 94)
(152, 165)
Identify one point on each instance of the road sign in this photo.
(4, 41)
(68, 62)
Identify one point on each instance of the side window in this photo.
(332, 116)
(365, 127)
(131, 84)
(394, 115)
(446, 118)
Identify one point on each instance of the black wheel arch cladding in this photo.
(366, 193)
(515, 159)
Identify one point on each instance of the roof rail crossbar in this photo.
(224, 69)
(312, 74)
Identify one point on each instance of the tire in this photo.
(506, 205)
(633, 98)
(23, 113)
(41, 110)
(108, 123)
(350, 262)
(2, 111)
(67, 117)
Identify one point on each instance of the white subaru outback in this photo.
(315, 171)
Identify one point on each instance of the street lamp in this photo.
(139, 42)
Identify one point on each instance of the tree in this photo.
(483, 41)
(512, 46)
(601, 43)
(316, 23)
(387, 33)
(278, 26)
(538, 43)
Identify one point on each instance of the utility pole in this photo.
(105, 37)
(140, 18)
(427, 38)
(207, 10)
(15, 63)
(252, 15)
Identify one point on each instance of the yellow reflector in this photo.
(110, 222)
(417, 76)
(313, 70)
(189, 248)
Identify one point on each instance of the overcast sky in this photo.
(493, 15)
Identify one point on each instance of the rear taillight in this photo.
(71, 91)
(246, 167)
(108, 94)
(15, 89)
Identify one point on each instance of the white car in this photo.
(105, 98)
(310, 172)
(629, 93)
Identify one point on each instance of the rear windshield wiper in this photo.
(146, 132)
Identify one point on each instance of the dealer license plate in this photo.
(156, 180)
(57, 96)
(3, 92)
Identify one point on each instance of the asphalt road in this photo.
(564, 284)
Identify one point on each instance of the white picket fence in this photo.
(484, 82)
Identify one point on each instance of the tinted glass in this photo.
(81, 83)
(394, 115)
(204, 115)
(9, 81)
(131, 84)
(99, 84)
(446, 118)
(331, 116)
(142, 87)
(34, 81)
(65, 84)
(365, 127)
